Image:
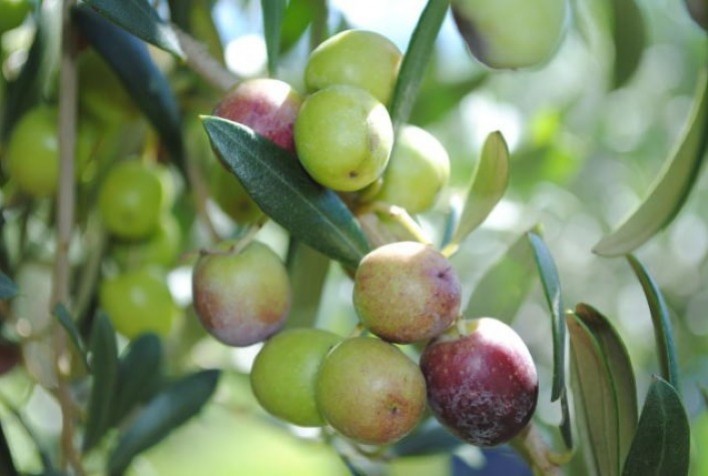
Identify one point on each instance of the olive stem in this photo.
(531, 446)
(66, 204)
(201, 62)
(402, 217)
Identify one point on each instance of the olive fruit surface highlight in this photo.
(361, 58)
(406, 292)
(417, 171)
(370, 391)
(482, 386)
(343, 137)
(511, 34)
(131, 199)
(284, 372)
(241, 296)
(139, 301)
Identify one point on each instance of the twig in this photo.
(198, 58)
(530, 445)
(66, 200)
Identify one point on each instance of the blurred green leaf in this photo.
(429, 438)
(663, 332)
(704, 394)
(489, 181)
(672, 187)
(104, 369)
(415, 60)
(7, 465)
(67, 322)
(8, 288)
(437, 98)
(662, 441)
(299, 14)
(509, 277)
(281, 187)
(130, 60)
(273, 13)
(308, 270)
(605, 394)
(629, 38)
(169, 409)
(139, 375)
(38, 74)
(140, 19)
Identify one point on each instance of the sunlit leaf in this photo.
(139, 375)
(139, 18)
(663, 332)
(67, 322)
(104, 370)
(273, 13)
(169, 409)
(415, 60)
(605, 396)
(672, 187)
(8, 288)
(489, 182)
(662, 442)
(629, 37)
(7, 465)
(308, 270)
(509, 277)
(283, 190)
(130, 59)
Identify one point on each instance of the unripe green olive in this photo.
(131, 199)
(241, 296)
(343, 137)
(160, 248)
(418, 169)
(370, 391)
(365, 59)
(511, 34)
(284, 372)
(139, 301)
(12, 13)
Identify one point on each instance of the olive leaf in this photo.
(67, 322)
(662, 441)
(139, 18)
(308, 270)
(605, 394)
(282, 189)
(628, 37)
(489, 181)
(672, 187)
(7, 465)
(273, 13)
(415, 60)
(663, 332)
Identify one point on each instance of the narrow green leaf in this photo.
(139, 375)
(415, 60)
(662, 442)
(140, 19)
(308, 270)
(7, 465)
(672, 187)
(8, 288)
(704, 394)
(169, 409)
(273, 13)
(104, 369)
(604, 389)
(509, 277)
(489, 182)
(281, 187)
(552, 290)
(663, 332)
(67, 322)
(629, 38)
(129, 58)
(299, 14)
(437, 98)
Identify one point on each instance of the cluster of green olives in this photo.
(476, 376)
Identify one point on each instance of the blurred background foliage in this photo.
(587, 133)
